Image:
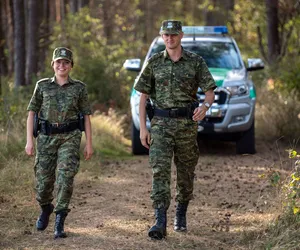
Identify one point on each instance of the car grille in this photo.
(221, 96)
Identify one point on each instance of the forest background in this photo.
(103, 34)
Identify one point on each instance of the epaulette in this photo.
(156, 56)
(78, 81)
(43, 80)
(193, 55)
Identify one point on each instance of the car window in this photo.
(215, 54)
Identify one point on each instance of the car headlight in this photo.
(235, 82)
(238, 90)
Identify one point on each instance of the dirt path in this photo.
(111, 208)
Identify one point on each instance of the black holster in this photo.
(36, 125)
(81, 122)
(149, 109)
(191, 108)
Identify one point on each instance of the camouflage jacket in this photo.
(59, 103)
(174, 84)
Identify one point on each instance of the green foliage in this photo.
(283, 231)
(96, 63)
(13, 114)
(247, 16)
(292, 188)
(288, 77)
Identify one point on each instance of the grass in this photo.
(277, 116)
(108, 135)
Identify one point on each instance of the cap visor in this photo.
(167, 32)
(65, 58)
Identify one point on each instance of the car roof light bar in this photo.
(197, 30)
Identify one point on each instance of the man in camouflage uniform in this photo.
(58, 100)
(171, 79)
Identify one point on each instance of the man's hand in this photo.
(145, 138)
(199, 113)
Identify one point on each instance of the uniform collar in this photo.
(183, 55)
(53, 80)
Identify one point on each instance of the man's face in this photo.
(62, 67)
(172, 41)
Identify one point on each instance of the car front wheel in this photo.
(246, 143)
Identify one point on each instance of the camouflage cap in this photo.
(170, 27)
(62, 53)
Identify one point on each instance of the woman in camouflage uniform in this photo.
(58, 101)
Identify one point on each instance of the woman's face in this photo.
(62, 67)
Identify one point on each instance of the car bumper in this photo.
(234, 118)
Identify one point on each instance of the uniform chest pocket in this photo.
(49, 98)
(72, 98)
(187, 83)
(162, 81)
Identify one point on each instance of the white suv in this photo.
(231, 116)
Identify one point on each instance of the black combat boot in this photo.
(59, 225)
(159, 230)
(43, 220)
(180, 218)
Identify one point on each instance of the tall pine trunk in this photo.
(19, 42)
(33, 35)
(10, 35)
(272, 31)
(3, 59)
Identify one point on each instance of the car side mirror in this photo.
(132, 64)
(255, 64)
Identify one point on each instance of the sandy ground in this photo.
(111, 208)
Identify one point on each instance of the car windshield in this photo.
(215, 54)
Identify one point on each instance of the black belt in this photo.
(58, 128)
(173, 113)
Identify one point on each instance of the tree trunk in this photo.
(210, 15)
(62, 10)
(52, 11)
(19, 42)
(82, 3)
(149, 21)
(3, 59)
(73, 6)
(57, 11)
(33, 35)
(10, 35)
(44, 34)
(107, 22)
(272, 31)
(93, 8)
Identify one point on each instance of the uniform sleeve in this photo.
(143, 82)
(36, 99)
(84, 104)
(204, 77)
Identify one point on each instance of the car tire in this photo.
(246, 143)
(136, 145)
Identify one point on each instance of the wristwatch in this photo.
(206, 104)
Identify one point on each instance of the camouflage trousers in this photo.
(172, 138)
(56, 154)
